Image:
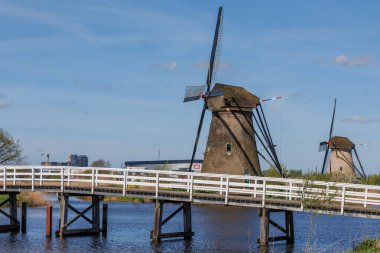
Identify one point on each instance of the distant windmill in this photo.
(231, 146)
(341, 159)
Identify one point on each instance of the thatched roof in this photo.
(244, 98)
(339, 142)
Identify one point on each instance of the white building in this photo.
(175, 165)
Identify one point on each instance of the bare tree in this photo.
(10, 150)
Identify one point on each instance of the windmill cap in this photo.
(244, 98)
(340, 142)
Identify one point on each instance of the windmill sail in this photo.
(193, 93)
(323, 146)
(330, 135)
(361, 172)
(215, 54)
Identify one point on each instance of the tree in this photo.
(10, 150)
(101, 163)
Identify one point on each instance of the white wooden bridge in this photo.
(184, 188)
(216, 189)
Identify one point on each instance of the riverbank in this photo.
(33, 199)
(118, 199)
(367, 246)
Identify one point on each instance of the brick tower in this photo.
(231, 146)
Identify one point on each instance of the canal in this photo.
(217, 229)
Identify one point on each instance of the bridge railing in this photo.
(226, 187)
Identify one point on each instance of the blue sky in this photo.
(107, 78)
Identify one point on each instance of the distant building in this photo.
(54, 164)
(82, 161)
(72, 160)
(175, 165)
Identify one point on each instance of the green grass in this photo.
(3, 197)
(124, 199)
(367, 246)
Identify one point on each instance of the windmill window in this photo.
(229, 148)
(340, 168)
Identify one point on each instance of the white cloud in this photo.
(360, 119)
(169, 66)
(3, 102)
(353, 61)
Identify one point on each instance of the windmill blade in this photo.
(210, 74)
(324, 160)
(269, 99)
(332, 121)
(323, 146)
(330, 134)
(193, 93)
(216, 50)
(362, 144)
(360, 164)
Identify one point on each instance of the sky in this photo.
(107, 78)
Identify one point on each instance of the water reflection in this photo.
(217, 229)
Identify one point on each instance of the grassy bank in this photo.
(33, 199)
(118, 199)
(367, 246)
(125, 199)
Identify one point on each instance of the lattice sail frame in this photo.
(194, 93)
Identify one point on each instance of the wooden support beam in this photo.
(95, 212)
(4, 202)
(187, 221)
(158, 210)
(13, 209)
(49, 217)
(14, 224)
(80, 214)
(264, 226)
(274, 224)
(24, 207)
(105, 219)
(64, 223)
(9, 228)
(156, 233)
(63, 210)
(172, 215)
(289, 227)
(265, 221)
(277, 238)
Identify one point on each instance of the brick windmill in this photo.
(231, 146)
(341, 158)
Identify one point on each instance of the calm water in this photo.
(217, 229)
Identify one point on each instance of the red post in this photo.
(49, 217)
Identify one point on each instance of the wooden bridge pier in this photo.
(14, 223)
(265, 223)
(64, 224)
(157, 234)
